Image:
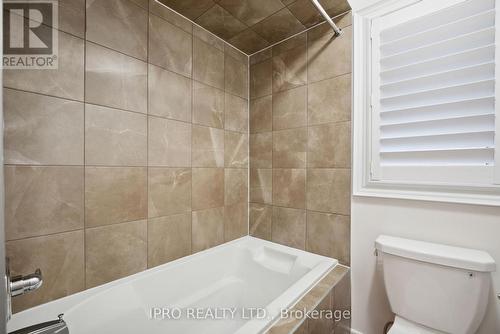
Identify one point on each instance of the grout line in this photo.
(147, 135)
(84, 149)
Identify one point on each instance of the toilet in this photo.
(434, 288)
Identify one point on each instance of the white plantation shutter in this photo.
(433, 94)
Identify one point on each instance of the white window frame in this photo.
(363, 182)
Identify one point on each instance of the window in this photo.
(431, 124)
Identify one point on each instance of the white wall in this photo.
(461, 225)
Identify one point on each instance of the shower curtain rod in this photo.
(328, 19)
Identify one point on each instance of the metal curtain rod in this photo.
(328, 19)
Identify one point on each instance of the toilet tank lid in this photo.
(457, 257)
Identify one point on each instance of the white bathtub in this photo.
(233, 277)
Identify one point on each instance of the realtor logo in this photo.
(30, 38)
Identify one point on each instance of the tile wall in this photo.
(300, 142)
(132, 154)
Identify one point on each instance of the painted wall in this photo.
(460, 225)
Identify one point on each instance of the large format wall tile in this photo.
(235, 221)
(114, 137)
(329, 190)
(169, 238)
(208, 147)
(261, 186)
(61, 260)
(290, 109)
(221, 22)
(261, 79)
(119, 25)
(289, 188)
(236, 149)
(251, 12)
(236, 77)
(235, 113)
(330, 145)
(189, 8)
(208, 64)
(170, 94)
(171, 16)
(115, 80)
(42, 130)
(208, 37)
(289, 69)
(67, 81)
(208, 188)
(330, 100)
(261, 114)
(290, 148)
(116, 251)
(328, 235)
(169, 143)
(115, 195)
(236, 186)
(289, 227)
(169, 191)
(278, 26)
(170, 47)
(208, 105)
(42, 200)
(261, 150)
(261, 217)
(208, 228)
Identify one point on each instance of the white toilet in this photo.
(434, 288)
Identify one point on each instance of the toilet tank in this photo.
(441, 287)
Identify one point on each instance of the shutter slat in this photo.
(458, 157)
(469, 57)
(442, 126)
(457, 44)
(449, 30)
(478, 140)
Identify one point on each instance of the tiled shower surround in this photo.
(300, 142)
(132, 154)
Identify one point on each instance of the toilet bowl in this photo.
(433, 288)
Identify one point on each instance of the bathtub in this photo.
(238, 287)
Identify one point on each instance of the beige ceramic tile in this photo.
(236, 149)
(169, 238)
(189, 8)
(330, 57)
(208, 147)
(235, 221)
(261, 150)
(328, 235)
(261, 217)
(208, 228)
(208, 188)
(207, 37)
(251, 12)
(169, 143)
(290, 109)
(61, 263)
(66, 82)
(289, 188)
(329, 190)
(115, 195)
(323, 324)
(329, 145)
(308, 15)
(278, 26)
(42, 200)
(236, 77)
(141, 3)
(289, 148)
(208, 64)
(119, 25)
(289, 227)
(72, 17)
(290, 69)
(261, 79)
(115, 80)
(342, 301)
(114, 137)
(236, 186)
(113, 252)
(169, 191)
(170, 47)
(42, 130)
(220, 22)
(236, 113)
(290, 44)
(261, 114)
(330, 100)
(261, 56)
(170, 15)
(208, 105)
(248, 41)
(170, 94)
(235, 53)
(261, 186)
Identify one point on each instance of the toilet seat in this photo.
(403, 326)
